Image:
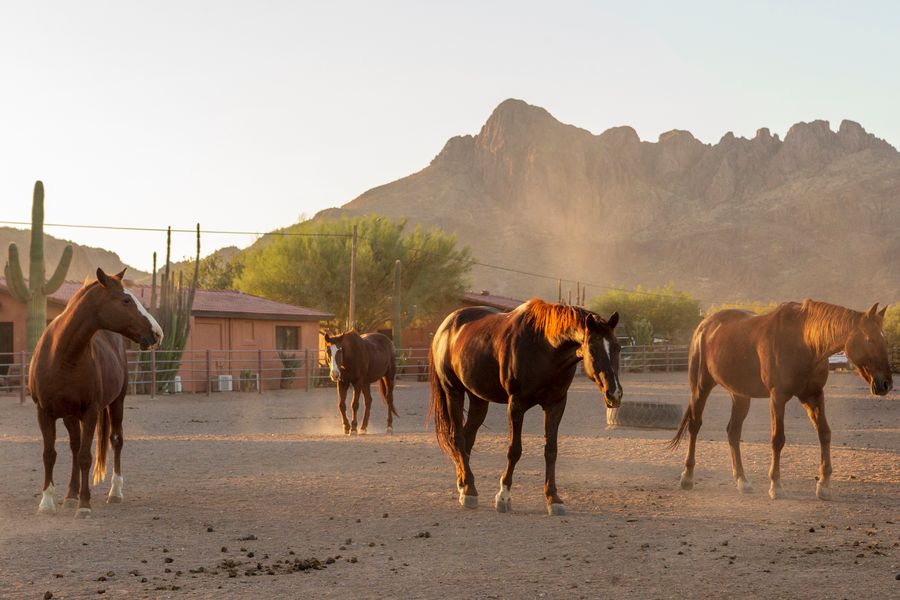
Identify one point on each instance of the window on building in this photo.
(287, 338)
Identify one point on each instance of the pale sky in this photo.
(247, 115)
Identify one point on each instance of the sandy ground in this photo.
(202, 473)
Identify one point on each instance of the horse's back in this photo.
(381, 355)
(464, 350)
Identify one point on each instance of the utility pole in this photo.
(351, 313)
(397, 317)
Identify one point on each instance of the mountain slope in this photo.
(816, 214)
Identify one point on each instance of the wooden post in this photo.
(559, 291)
(259, 372)
(396, 316)
(351, 312)
(309, 370)
(570, 297)
(578, 293)
(153, 373)
(208, 371)
(22, 371)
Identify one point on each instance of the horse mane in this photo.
(88, 285)
(558, 322)
(825, 324)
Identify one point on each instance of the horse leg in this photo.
(386, 386)
(553, 413)
(342, 405)
(465, 479)
(367, 407)
(48, 432)
(74, 429)
(776, 406)
(698, 403)
(815, 409)
(516, 414)
(740, 405)
(354, 408)
(88, 425)
(478, 408)
(116, 413)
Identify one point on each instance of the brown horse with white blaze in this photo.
(359, 361)
(778, 356)
(523, 358)
(79, 373)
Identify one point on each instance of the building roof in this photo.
(214, 303)
(485, 298)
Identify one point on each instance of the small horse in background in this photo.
(79, 373)
(360, 360)
(779, 355)
(523, 358)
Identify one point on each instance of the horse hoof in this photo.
(82, 513)
(346, 431)
(362, 432)
(775, 491)
(114, 499)
(556, 510)
(687, 483)
(70, 503)
(389, 431)
(744, 486)
(46, 510)
(823, 492)
(468, 501)
(503, 505)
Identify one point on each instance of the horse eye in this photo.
(127, 300)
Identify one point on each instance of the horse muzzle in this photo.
(881, 385)
(613, 399)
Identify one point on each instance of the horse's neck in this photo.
(827, 335)
(76, 331)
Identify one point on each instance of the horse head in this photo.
(119, 310)
(334, 356)
(600, 351)
(867, 348)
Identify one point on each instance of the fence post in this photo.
(153, 373)
(259, 373)
(308, 369)
(22, 378)
(668, 359)
(208, 371)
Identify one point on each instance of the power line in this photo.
(337, 235)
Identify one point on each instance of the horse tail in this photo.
(103, 430)
(439, 408)
(386, 384)
(695, 365)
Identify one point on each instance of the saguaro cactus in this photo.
(34, 291)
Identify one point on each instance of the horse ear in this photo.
(882, 311)
(121, 273)
(613, 320)
(871, 311)
(102, 277)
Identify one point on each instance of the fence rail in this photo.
(221, 371)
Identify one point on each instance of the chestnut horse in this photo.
(79, 373)
(523, 358)
(360, 360)
(778, 356)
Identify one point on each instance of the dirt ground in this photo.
(231, 496)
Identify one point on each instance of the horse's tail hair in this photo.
(695, 365)
(386, 384)
(103, 430)
(443, 423)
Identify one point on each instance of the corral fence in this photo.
(222, 371)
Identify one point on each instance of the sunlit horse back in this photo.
(778, 356)
(523, 358)
(79, 373)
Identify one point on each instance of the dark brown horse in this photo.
(523, 358)
(79, 374)
(360, 361)
(778, 356)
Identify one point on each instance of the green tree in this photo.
(892, 324)
(314, 269)
(219, 273)
(672, 314)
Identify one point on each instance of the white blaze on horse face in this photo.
(335, 369)
(157, 330)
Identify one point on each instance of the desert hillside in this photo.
(815, 214)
